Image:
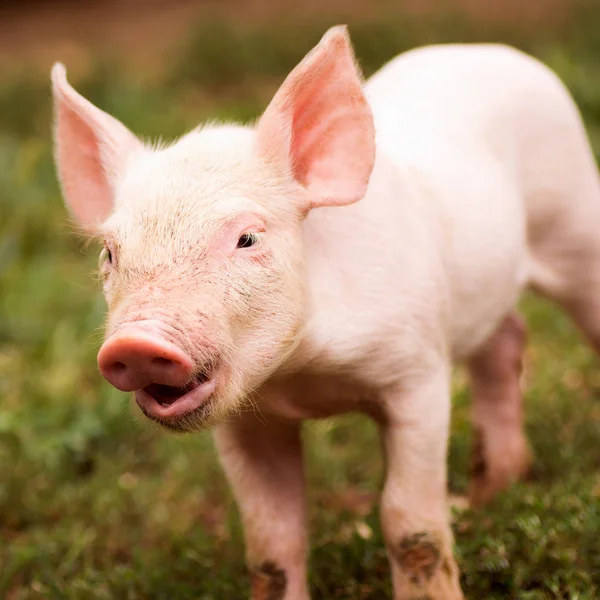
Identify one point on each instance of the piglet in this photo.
(340, 255)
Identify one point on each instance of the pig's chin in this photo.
(186, 408)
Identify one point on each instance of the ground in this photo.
(96, 504)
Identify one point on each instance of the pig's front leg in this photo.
(263, 462)
(414, 512)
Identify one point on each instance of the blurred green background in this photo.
(94, 503)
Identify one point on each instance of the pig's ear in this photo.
(92, 150)
(320, 126)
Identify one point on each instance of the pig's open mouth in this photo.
(170, 387)
(166, 395)
(173, 405)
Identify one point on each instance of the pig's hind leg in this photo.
(574, 284)
(564, 243)
(500, 451)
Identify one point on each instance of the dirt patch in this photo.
(268, 582)
(418, 555)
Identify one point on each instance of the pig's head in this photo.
(203, 248)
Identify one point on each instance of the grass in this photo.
(95, 505)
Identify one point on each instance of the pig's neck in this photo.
(345, 253)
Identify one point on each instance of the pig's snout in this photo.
(167, 384)
(134, 360)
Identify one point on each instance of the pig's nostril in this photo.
(119, 367)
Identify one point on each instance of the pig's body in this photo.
(254, 264)
(482, 168)
(493, 140)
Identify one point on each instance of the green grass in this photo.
(94, 504)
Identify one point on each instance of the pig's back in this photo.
(488, 97)
(499, 146)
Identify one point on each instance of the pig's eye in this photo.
(247, 240)
(105, 256)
